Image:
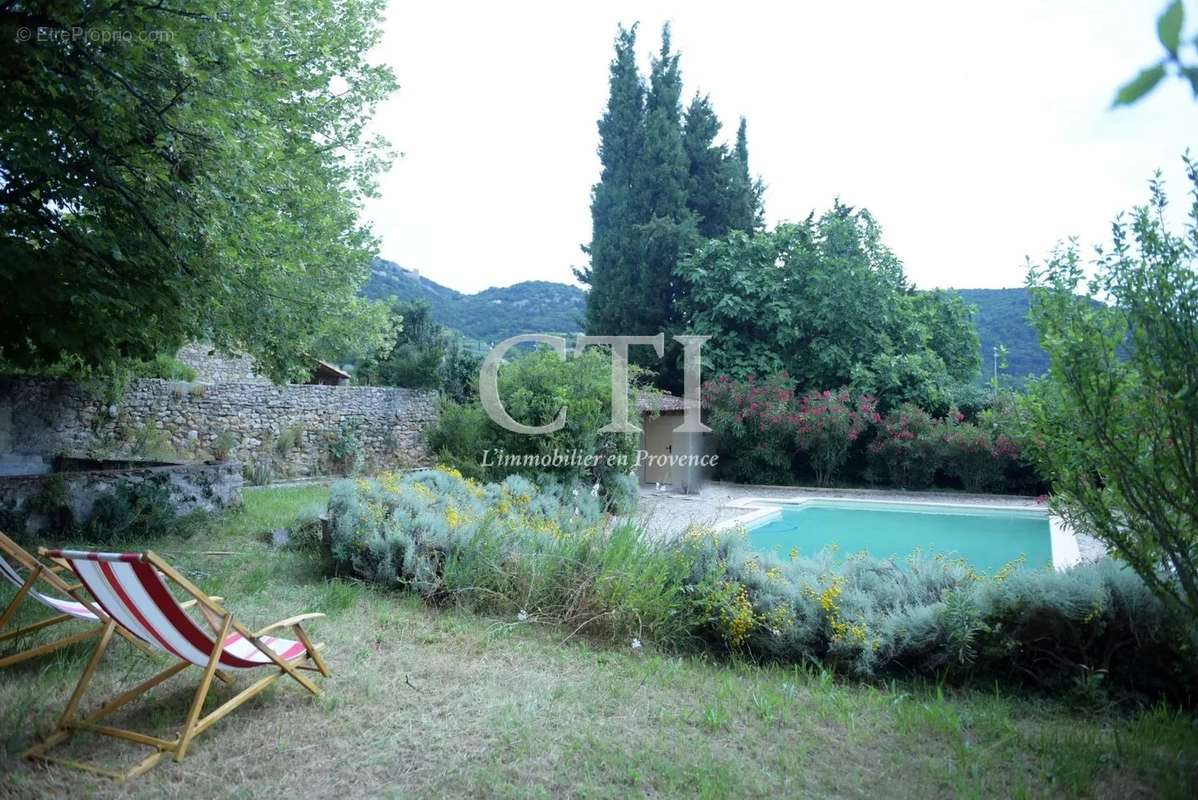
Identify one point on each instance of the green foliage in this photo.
(457, 375)
(413, 358)
(1001, 319)
(224, 444)
(1115, 422)
(826, 301)
(874, 619)
(711, 170)
(907, 448)
(306, 533)
(488, 316)
(1168, 30)
(527, 552)
(977, 455)
(545, 554)
(259, 471)
(204, 180)
(766, 432)
(165, 367)
(533, 387)
(613, 212)
(747, 210)
(763, 426)
(345, 447)
(133, 510)
(289, 439)
(665, 228)
(665, 184)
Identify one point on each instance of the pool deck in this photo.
(669, 514)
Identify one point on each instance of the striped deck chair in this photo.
(64, 610)
(131, 588)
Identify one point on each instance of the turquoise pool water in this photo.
(985, 538)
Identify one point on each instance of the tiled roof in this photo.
(652, 402)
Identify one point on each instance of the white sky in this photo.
(977, 134)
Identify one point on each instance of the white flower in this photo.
(636, 644)
(576, 492)
(595, 489)
(522, 616)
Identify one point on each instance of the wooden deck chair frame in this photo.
(40, 572)
(223, 624)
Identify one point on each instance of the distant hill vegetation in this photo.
(490, 315)
(1001, 319)
(546, 307)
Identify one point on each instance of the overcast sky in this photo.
(977, 134)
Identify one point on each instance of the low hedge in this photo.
(546, 552)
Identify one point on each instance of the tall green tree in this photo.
(612, 250)
(185, 171)
(415, 356)
(746, 209)
(826, 301)
(708, 189)
(669, 230)
(1115, 420)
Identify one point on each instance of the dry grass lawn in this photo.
(430, 703)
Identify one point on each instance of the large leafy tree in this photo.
(826, 301)
(1115, 421)
(176, 171)
(414, 359)
(613, 213)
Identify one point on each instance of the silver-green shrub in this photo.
(547, 552)
(873, 618)
(543, 552)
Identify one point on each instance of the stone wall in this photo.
(31, 504)
(281, 431)
(212, 367)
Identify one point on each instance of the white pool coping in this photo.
(759, 510)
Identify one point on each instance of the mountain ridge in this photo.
(498, 312)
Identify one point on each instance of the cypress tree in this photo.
(747, 212)
(612, 270)
(709, 193)
(660, 190)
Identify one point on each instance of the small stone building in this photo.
(666, 456)
(325, 374)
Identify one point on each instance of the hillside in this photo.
(1002, 320)
(544, 307)
(490, 315)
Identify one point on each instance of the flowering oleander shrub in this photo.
(907, 448)
(763, 427)
(765, 432)
(979, 456)
(873, 618)
(540, 551)
(828, 423)
(754, 426)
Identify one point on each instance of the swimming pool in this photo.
(987, 537)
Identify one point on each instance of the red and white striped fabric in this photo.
(68, 607)
(130, 591)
